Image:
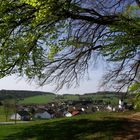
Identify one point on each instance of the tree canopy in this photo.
(58, 40)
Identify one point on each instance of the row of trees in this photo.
(58, 40)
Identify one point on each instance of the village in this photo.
(65, 109)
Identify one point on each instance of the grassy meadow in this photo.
(40, 99)
(98, 126)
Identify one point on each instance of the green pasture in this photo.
(70, 97)
(41, 99)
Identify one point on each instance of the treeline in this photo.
(20, 94)
(107, 92)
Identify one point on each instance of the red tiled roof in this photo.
(75, 113)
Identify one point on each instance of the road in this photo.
(14, 122)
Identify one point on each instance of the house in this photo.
(15, 116)
(21, 115)
(74, 113)
(43, 115)
(109, 108)
(67, 114)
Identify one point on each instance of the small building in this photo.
(21, 115)
(109, 108)
(74, 113)
(43, 115)
(68, 114)
(15, 116)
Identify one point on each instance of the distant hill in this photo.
(20, 94)
(39, 97)
(119, 94)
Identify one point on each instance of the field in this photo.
(41, 99)
(99, 126)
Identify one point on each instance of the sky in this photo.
(86, 86)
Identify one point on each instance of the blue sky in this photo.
(86, 86)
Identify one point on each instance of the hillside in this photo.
(20, 94)
(97, 126)
(38, 97)
(43, 99)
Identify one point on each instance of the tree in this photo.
(57, 40)
(124, 51)
(135, 89)
(9, 106)
(14, 108)
(6, 108)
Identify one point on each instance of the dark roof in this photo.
(23, 113)
(80, 102)
(50, 111)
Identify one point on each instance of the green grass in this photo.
(2, 114)
(71, 97)
(2, 118)
(41, 99)
(99, 126)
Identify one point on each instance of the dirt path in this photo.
(131, 131)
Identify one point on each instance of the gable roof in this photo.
(75, 113)
(23, 113)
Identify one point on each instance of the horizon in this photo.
(54, 92)
(89, 84)
(86, 86)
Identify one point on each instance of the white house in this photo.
(82, 109)
(68, 114)
(43, 115)
(20, 115)
(15, 116)
(109, 108)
